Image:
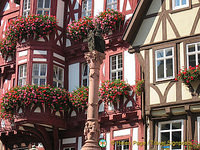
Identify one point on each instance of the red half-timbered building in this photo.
(40, 61)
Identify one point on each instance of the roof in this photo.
(136, 21)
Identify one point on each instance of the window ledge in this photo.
(164, 80)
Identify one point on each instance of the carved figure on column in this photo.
(95, 40)
(91, 130)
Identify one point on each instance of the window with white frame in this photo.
(177, 4)
(43, 7)
(58, 76)
(26, 8)
(164, 63)
(22, 75)
(86, 8)
(122, 145)
(170, 131)
(193, 54)
(39, 74)
(85, 75)
(116, 70)
(112, 4)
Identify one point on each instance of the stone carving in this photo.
(91, 130)
(95, 40)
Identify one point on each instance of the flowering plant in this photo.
(7, 48)
(109, 19)
(79, 97)
(139, 87)
(53, 98)
(111, 91)
(189, 75)
(193, 145)
(78, 30)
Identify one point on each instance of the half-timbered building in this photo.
(58, 61)
(164, 35)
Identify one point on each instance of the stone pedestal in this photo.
(92, 129)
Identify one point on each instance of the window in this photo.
(39, 74)
(193, 54)
(198, 130)
(170, 131)
(86, 8)
(58, 77)
(22, 75)
(85, 75)
(122, 145)
(112, 4)
(164, 63)
(180, 3)
(70, 148)
(26, 8)
(43, 7)
(116, 67)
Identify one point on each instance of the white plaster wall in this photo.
(151, 65)
(170, 32)
(108, 141)
(135, 138)
(23, 53)
(171, 96)
(186, 94)
(74, 76)
(129, 68)
(154, 98)
(182, 59)
(98, 6)
(69, 140)
(121, 132)
(121, 5)
(60, 12)
(162, 87)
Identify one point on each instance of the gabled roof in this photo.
(136, 21)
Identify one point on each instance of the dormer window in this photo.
(177, 4)
(43, 7)
(86, 8)
(112, 4)
(26, 8)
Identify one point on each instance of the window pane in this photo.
(42, 81)
(165, 136)
(55, 72)
(168, 52)
(183, 2)
(43, 69)
(35, 69)
(85, 70)
(198, 46)
(47, 4)
(176, 137)
(20, 82)
(160, 69)
(40, 3)
(192, 60)
(177, 2)
(25, 66)
(24, 81)
(176, 125)
(120, 75)
(113, 62)
(165, 126)
(191, 48)
(39, 12)
(60, 74)
(113, 75)
(119, 61)
(54, 84)
(198, 58)
(160, 54)
(46, 12)
(20, 71)
(25, 4)
(169, 67)
(60, 85)
(85, 82)
(35, 81)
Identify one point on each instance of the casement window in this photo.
(193, 54)
(122, 145)
(39, 74)
(26, 8)
(177, 4)
(164, 63)
(170, 131)
(22, 75)
(116, 70)
(85, 75)
(86, 8)
(112, 4)
(43, 7)
(58, 76)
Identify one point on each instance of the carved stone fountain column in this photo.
(92, 128)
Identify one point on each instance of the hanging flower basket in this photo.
(78, 30)
(7, 48)
(110, 20)
(54, 98)
(79, 97)
(111, 91)
(139, 87)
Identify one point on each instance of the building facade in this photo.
(58, 61)
(164, 34)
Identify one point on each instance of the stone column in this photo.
(92, 128)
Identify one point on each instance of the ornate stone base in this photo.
(91, 145)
